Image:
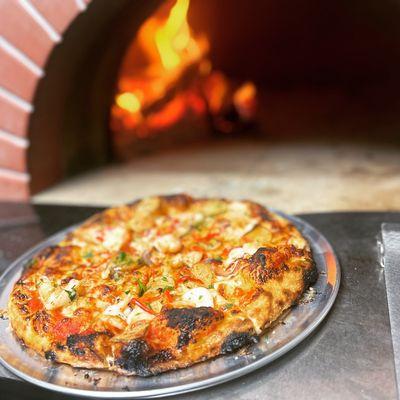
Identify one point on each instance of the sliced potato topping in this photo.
(193, 257)
(54, 296)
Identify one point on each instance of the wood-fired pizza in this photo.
(161, 284)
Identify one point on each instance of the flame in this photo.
(166, 46)
(174, 36)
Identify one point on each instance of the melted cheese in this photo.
(114, 238)
(167, 244)
(238, 207)
(234, 254)
(138, 314)
(118, 309)
(199, 297)
(248, 249)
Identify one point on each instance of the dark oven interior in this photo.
(270, 70)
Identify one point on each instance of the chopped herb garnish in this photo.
(167, 288)
(71, 293)
(116, 275)
(211, 286)
(200, 297)
(218, 258)
(123, 258)
(142, 288)
(165, 279)
(127, 291)
(229, 306)
(88, 254)
(198, 225)
(31, 262)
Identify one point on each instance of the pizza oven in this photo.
(87, 83)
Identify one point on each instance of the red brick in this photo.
(59, 13)
(12, 156)
(13, 119)
(21, 30)
(13, 188)
(16, 77)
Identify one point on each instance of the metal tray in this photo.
(298, 324)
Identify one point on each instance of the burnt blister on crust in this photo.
(137, 357)
(261, 266)
(260, 211)
(134, 358)
(259, 257)
(188, 320)
(79, 344)
(18, 295)
(60, 254)
(41, 322)
(47, 252)
(43, 254)
(268, 263)
(310, 275)
(180, 200)
(236, 341)
(50, 355)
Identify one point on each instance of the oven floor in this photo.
(294, 177)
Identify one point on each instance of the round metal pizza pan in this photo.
(298, 324)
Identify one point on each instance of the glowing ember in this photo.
(244, 100)
(128, 101)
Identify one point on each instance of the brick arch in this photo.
(30, 29)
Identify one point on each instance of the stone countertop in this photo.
(350, 356)
(293, 177)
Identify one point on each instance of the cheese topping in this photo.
(138, 314)
(167, 244)
(114, 238)
(199, 297)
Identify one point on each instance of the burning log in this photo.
(185, 81)
(231, 107)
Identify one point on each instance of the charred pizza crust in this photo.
(161, 284)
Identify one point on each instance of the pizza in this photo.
(161, 284)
